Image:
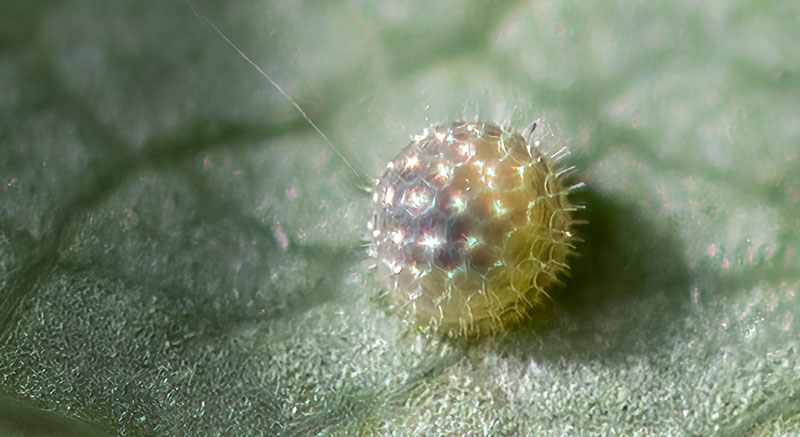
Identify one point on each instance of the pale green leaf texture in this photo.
(182, 254)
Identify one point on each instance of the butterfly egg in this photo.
(472, 224)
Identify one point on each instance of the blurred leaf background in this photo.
(180, 253)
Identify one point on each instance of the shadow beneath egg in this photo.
(628, 294)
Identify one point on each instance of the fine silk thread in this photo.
(471, 224)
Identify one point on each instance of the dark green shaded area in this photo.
(19, 419)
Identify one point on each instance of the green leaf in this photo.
(181, 253)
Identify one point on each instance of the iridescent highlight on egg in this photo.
(473, 225)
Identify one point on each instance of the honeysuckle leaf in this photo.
(181, 253)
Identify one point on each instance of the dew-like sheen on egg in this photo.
(472, 224)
